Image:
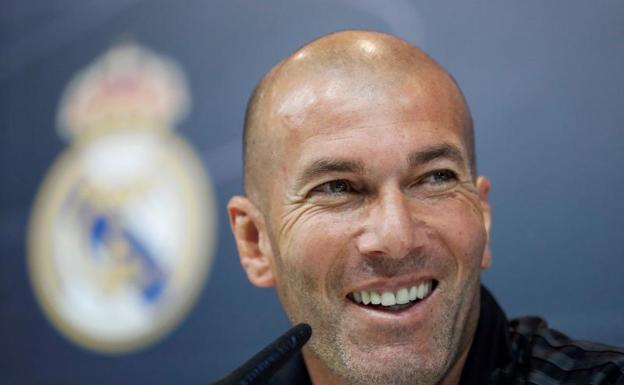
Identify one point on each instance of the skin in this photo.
(360, 175)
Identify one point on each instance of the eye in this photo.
(440, 179)
(334, 187)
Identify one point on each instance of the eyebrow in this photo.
(328, 165)
(442, 151)
(324, 166)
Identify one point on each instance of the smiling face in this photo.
(374, 229)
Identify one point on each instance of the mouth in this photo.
(394, 300)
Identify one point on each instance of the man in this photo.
(363, 208)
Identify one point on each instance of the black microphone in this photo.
(263, 365)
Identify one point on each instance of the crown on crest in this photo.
(129, 87)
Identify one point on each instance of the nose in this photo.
(392, 228)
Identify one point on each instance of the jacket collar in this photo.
(490, 351)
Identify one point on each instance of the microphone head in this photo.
(302, 332)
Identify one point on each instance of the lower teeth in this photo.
(394, 307)
(399, 307)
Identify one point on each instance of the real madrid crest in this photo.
(123, 228)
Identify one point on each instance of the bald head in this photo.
(366, 67)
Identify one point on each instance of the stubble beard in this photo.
(358, 361)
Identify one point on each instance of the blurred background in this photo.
(543, 79)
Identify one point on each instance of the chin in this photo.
(398, 371)
(359, 362)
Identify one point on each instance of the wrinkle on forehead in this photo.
(408, 105)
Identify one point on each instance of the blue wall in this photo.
(543, 79)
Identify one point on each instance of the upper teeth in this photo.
(391, 298)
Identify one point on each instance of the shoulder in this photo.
(547, 356)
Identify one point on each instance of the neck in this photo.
(319, 373)
(454, 375)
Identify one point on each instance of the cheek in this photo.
(459, 223)
(309, 269)
(317, 247)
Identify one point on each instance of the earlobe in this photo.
(249, 232)
(486, 260)
(483, 187)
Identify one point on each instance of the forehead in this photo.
(334, 108)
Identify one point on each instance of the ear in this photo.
(483, 187)
(254, 249)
